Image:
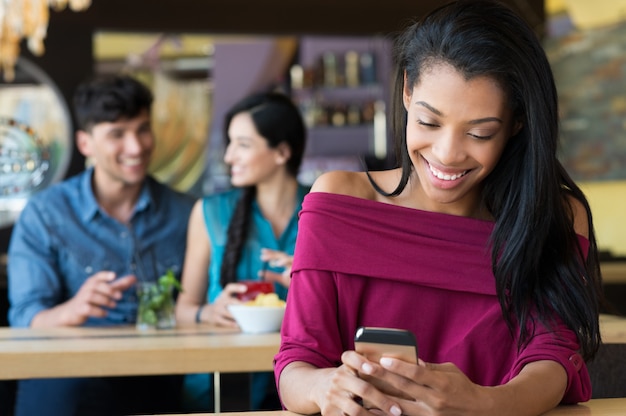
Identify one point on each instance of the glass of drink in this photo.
(156, 306)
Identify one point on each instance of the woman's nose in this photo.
(448, 149)
(228, 154)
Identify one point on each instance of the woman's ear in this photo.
(407, 92)
(283, 153)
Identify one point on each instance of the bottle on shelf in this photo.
(352, 69)
(368, 68)
(330, 69)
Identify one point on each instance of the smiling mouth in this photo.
(132, 162)
(446, 176)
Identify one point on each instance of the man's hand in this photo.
(99, 292)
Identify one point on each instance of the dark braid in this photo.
(237, 234)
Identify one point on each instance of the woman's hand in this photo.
(428, 389)
(331, 391)
(277, 258)
(217, 313)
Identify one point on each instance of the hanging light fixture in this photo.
(27, 19)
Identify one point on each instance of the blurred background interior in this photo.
(333, 58)
(200, 57)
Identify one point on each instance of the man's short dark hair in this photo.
(108, 99)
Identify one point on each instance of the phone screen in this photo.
(375, 343)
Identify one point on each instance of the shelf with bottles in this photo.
(338, 89)
(328, 67)
(340, 138)
(339, 93)
(324, 112)
(337, 83)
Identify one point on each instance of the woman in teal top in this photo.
(237, 234)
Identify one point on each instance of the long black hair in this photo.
(536, 259)
(277, 120)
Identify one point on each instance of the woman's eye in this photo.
(423, 123)
(480, 137)
(238, 144)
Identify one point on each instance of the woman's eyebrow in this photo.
(486, 120)
(477, 121)
(429, 107)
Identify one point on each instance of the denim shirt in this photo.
(62, 237)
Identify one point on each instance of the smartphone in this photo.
(375, 343)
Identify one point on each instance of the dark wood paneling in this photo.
(266, 16)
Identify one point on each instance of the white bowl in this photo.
(257, 319)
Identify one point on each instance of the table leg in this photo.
(216, 392)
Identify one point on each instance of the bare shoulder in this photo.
(579, 213)
(196, 217)
(347, 183)
(196, 211)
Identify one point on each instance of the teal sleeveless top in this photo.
(218, 210)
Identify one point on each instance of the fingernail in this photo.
(366, 368)
(395, 411)
(385, 362)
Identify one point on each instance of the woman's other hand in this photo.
(330, 391)
(217, 313)
(277, 259)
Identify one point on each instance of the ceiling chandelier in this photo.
(27, 19)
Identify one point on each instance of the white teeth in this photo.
(132, 162)
(444, 176)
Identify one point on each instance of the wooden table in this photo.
(613, 330)
(597, 407)
(613, 272)
(126, 351)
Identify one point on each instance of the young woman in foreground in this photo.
(479, 243)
